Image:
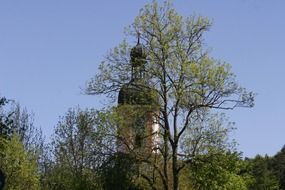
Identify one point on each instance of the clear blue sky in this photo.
(49, 49)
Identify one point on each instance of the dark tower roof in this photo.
(136, 93)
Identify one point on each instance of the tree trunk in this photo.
(165, 160)
(175, 169)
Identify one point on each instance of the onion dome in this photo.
(138, 55)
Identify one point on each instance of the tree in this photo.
(120, 171)
(75, 151)
(17, 120)
(277, 166)
(20, 146)
(5, 119)
(263, 175)
(19, 166)
(188, 82)
(220, 171)
(23, 125)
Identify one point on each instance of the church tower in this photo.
(138, 108)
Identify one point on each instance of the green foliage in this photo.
(76, 150)
(6, 120)
(19, 166)
(263, 175)
(19, 153)
(120, 171)
(217, 171)
(17, 120)
(61, 177)
(277, 166)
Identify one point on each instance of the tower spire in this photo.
(138, 59)
(140, 133)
